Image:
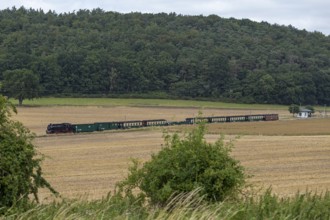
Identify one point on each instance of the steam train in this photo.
(115, 125)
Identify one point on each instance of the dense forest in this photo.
(99, 53)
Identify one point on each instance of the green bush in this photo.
(20, 170)
(183, 165)
(294, 109)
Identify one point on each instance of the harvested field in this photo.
(315, 126)
(91, 164)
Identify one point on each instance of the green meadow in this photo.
(144, 102)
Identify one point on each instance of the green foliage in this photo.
(270, 206)
(110, 207)
(6, 109)
(20, 170)
(21, 84)
(294, 109)
(140, 101)
(303, 206)
(309, 107)
(184, 165)
(93, 52)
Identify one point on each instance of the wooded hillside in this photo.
(108, 53)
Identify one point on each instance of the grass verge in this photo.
(185, 206)
(144, 102)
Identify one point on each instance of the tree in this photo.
(294, 109)
(21, 84)
(20, 170)
(217, 76)
(49, 73)
(112, 78)
(259, 87)
(309, 107)
(184, 165)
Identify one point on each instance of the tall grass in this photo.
(186, 206)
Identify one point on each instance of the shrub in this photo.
(20, 170)
(183, 165)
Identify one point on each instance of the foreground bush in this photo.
(184, 165)
(20, 170)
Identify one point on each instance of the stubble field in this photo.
(288, 155)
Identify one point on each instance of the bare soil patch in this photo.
(91, 164)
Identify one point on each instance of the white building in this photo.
(304, 113)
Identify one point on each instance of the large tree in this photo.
(21, 84)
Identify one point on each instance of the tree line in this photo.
(95, 52)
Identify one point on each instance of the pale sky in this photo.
(312, 15)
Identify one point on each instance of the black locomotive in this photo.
(59, 128)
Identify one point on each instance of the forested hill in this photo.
(97, 52)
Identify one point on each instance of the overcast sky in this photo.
(312, 15)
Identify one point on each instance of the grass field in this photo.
(143, 102)
(288, 155)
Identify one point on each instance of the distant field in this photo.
(288, 155)
(37, 118)
(316, 126)
(143, 102)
